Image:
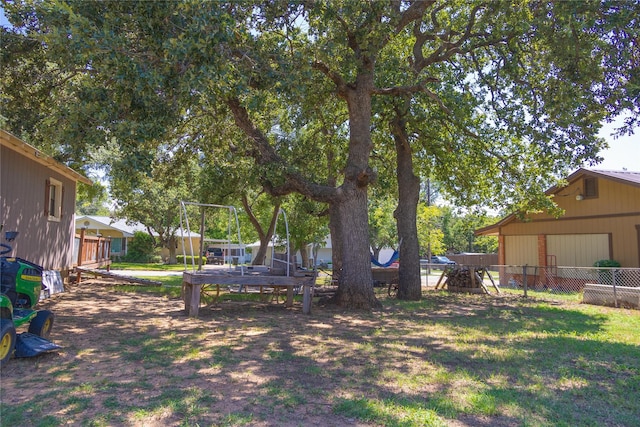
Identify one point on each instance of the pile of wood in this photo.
(466, 279)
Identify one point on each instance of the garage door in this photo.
(578, 250)
(521, 250)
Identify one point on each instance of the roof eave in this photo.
(29, 151)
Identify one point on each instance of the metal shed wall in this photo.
(578, 250)
(614, 212)
(521, 250)
(22, 205)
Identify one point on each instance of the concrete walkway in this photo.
(145, 273)
(155, 273)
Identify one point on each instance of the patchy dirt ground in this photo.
(136, 359)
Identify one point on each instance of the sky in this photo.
(623, 152)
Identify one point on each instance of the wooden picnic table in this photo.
(192, 282)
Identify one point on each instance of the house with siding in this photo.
(37, 199)
(121, 231)
(601, 221)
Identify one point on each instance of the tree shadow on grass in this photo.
(441, 361)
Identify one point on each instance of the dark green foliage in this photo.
(607, 275)
(497, 99)
(180, 259)
(141, 248)
(606, 263)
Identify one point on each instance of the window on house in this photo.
(53, 199)
(116, 245)
(590, 188)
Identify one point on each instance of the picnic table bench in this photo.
(192, 282)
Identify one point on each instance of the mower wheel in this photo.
(42, 324)
(7, 340)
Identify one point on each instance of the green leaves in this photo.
(498, 99)
(430, 233)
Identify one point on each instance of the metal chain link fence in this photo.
(614, 286)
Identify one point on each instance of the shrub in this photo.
(606, 263)
(190, 258)
(606, 276)
(141, 248)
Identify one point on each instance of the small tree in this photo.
(141, 248)
(429, 229)
(382, 227)
(92, 199)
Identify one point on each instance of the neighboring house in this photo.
(324, 253)
(601, 221)
(122, 231)
(255, 246)
(319, 254)
(37, 199)
(229, 252)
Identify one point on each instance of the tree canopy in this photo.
(494, 99)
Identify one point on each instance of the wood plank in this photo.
(492, 282)
(248, 279)
(307, 297)
(95, 265)
(440, 279)
(110, 275)
(479, 280)
(192, 280)
(192, 300)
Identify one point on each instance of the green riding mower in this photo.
(20, 287)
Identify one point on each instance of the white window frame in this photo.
(55, 190)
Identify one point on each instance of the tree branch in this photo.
(252, 218)
(413, 13)
(336, 78)
(447, 48)
(405, 90)
(264, 154)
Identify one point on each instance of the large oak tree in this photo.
(513, 91)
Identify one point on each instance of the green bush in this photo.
(190, 258)
(141, 248)
(606, 276)
(606, 263)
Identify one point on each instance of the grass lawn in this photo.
(131, 357)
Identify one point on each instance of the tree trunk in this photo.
(348, 202)
(265, 237)
(304, 255)
(336, 242)
(355, 286)
(261, 253)
(410, 286)
(172, 250)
